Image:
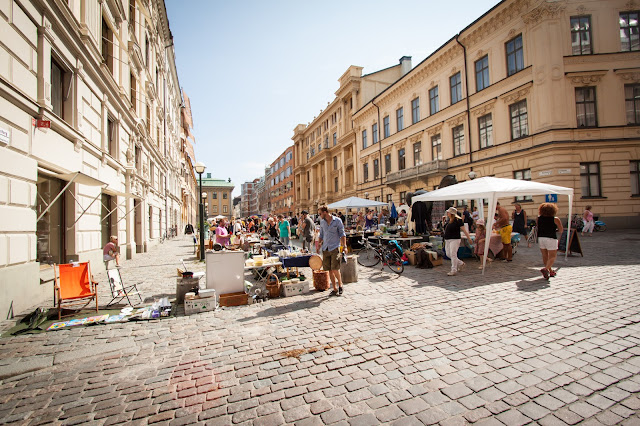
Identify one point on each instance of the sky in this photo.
(254, 70)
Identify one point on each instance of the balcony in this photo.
(428, 169)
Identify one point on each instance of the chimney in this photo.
(405, 64)
(208, 175)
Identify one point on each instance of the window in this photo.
(335, 185)
(50, 229)
(485, 127)
(635, 177)
(434, 103)
(586, 107)
(400, 118)
(365, 170)
(401, 163)
(389, 198)
(147, 50)
(377, 198)
(590, 179)
(326, 141)
(523, 175)
(335, 163)
(415, 110)
(629, 31)
(403, 196)
(374, 133)
(436, 147)
(387, 164)
(111, 138)
(364, 139)
(225, 209)
(385, 122)
(581, 35)
(335, 139)
(214, 195)
(132, 94)
(215, 208)
(519, 120)
(456, 88)
(225, 196)
(458, 140)
(319, 147)
(376, 168)
(59, 90)
(482, 73)
(632, 103)
(107, 45)
(417, 153)
(515, 55)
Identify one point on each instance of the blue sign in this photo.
(551, 198)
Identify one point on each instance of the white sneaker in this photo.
(452, 273)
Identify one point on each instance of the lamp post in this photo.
(200, 168)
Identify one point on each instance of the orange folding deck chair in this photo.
(74, 286)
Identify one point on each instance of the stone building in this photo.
(249, 198)
(540, 90)
(325, 148)
(188, 179)
(281, 193)
(89, 137)
(218, 200)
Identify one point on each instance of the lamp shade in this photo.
(200, 167)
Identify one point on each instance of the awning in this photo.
(77, 177)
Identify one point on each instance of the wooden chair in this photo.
(74, 286)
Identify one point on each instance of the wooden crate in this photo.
(234, 299)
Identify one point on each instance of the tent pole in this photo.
(566, 249)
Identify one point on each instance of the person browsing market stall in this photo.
(285, 230)
(452, 239)
(307, 227)
(332, 240)
(503, 227)
(222, 234)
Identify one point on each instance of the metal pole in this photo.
(201, 221)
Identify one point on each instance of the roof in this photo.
(221, 183)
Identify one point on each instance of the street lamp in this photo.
(200, 168)
(472, 175)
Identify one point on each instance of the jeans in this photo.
(451, 247)
(285, 241)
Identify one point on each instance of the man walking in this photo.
(307, 230)
(332, 241)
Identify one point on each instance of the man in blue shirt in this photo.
(332, 241)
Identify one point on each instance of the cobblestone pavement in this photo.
(423, 348)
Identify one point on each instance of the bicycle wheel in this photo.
(394, 262)
(368, 257)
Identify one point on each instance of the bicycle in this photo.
(370, 255)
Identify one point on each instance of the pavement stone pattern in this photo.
(504, 348)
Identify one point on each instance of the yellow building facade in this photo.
(325, 150)
(540, 90)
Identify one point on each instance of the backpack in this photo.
(394, 244)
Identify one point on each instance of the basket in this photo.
(273, 286)
(321, 280)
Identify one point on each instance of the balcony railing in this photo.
(430, 168)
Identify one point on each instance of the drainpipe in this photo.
(466, 83)
(379, 151)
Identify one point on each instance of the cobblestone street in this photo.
(423, 348)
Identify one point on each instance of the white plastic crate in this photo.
(200, 305)
(295, 289)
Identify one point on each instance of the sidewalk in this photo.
(422, 348)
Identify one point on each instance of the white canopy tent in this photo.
(493, 188)
(356, 203)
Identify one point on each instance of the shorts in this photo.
(547, 243)
(107, 257)
(331, 260)
(505, 234)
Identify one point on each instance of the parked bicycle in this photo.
(372, 254)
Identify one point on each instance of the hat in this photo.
(480, 222)
(452, 210)
(304, 212)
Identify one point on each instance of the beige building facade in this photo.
(540, 90)
(325, 149)
(89, 137)
(218, 200)
(280, 184)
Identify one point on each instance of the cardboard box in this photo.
(234, 299)
(411, 255)
(195, 306)
(296, 289)
(435, 260)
